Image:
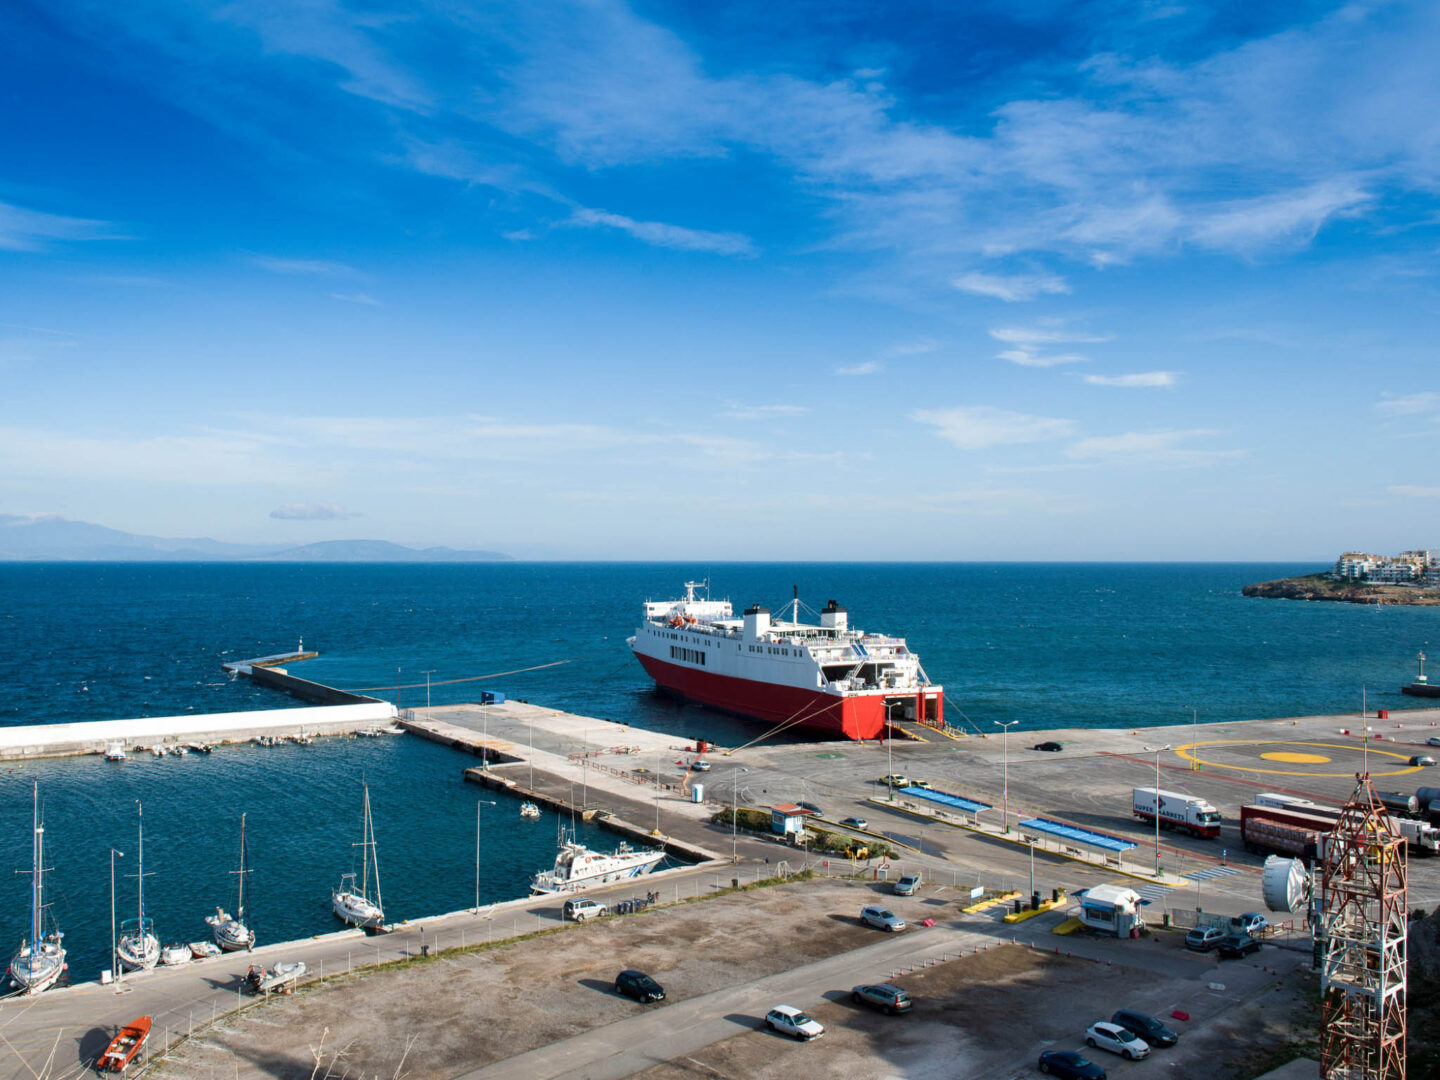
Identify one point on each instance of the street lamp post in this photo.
(115, 968)
(1157, 751)
(1030, 840)
(889, 749)
(735, 813)
(479, 803)
(1005, 726)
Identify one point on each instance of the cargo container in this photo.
(1268, 830)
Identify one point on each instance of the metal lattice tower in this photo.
(1363, 887)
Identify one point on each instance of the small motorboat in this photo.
(280, 979)
(123, 1048)
(175, 955)
(529, 810)
(115, 752)
(202, 949)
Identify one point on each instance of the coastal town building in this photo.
(1420, 565)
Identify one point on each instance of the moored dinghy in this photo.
(175, 955)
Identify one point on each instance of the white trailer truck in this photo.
(1177, 811)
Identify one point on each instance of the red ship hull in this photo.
(856, 717)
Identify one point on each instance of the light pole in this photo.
(479, 803)
(735, 812)
(1157, 751)
(115, 968)
(889, 749)
(1031, 840)
(1005, 726)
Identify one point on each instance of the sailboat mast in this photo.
(240, 906)
(365, 849)
(140, 876)
(375, 852)
(36, 889)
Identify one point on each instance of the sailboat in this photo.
(352, 905)
(41, 959)
(230, 932)
(138, 948)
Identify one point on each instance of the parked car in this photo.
(883, 996)
(1434, 740)
(1422, 759)
(855, 823)
(1051, 746)
(906, 885)
(700, 765)
(789, 1020)
(638, 985)
(1203, 938)
(1146, 1026)
(894, 780)
(580, 908)
(1117, 1040)
(1252, 923)
(881, 918)
(919, 783)
(810, 806)
(1068, 1065)
(1236, 946)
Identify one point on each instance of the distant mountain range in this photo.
(46, 539)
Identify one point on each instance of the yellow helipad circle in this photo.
(1188, 752)
(1293, 758)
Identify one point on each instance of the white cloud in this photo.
(865, 367)
(1044, 335)
(314, 267)
(311, 511)
(1141, 378)
(1163, 448)
(979, 426)
(1012, 288)
(1286, 215)
(32, 230)
(919, 347)
(1029, 358)
(663, 235)
(1414, 491)
(763, 412)
(356, 298)
(1413, 404)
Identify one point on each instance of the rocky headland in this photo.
(1324, 587)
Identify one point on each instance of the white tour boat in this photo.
(40, 960)
(579, 867)
(352, 903)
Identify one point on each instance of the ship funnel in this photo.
(833, 617)
(757, 622)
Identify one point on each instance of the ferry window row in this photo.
(771, 649)
(693, 656)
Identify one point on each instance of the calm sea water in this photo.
(1048, 645)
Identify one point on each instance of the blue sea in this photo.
(1056, 645)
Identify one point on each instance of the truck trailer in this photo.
(1422, 836)
(1270, 830)
(1177, 811)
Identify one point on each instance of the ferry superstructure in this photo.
(824, 677)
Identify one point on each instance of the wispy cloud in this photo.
(918, 347)
(1411, 404)
(977, 427)
(1139, 378)
(1014, 288)
(1030, 358)
(668, 236)
(763, 412)
(356, 298)
(1414, 491)
(34, 230)
(1044, 334)
(865, 367)
(299, 267)
(311, 511)
(1168, 448)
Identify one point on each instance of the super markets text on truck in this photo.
(1177, 811)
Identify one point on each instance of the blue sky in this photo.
(829, 280)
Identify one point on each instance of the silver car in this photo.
(1117, 1040)
(881, 918)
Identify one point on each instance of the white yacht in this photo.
(579, 867)
(40, 960)
(351, 902)
(529, 810)
(230, 931)
(138, 949)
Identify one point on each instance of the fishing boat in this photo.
(230, 931)
(123, 1048)
(579, 867)
(350, 902)
(115, 752)
(41, 958)
(201, 950)
(175, 955)
(529, 810)
(138, 949)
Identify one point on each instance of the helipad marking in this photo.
(1295, 758)
(1185, 752)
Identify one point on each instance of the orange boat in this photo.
(125, 1046)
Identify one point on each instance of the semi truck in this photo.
(1271, 830)
(1177, 811)
(1423, 837)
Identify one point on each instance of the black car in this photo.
(811, 807)
(638, 985)
(1236, 946)
(1051, 746)
(889, 999)
(1147, 1027)
(1068, 1065)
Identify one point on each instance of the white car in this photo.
(1434, 740)
(789, 1020)
(580, 908)
(881, 918)
(700, 765)
(1117, 1040)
